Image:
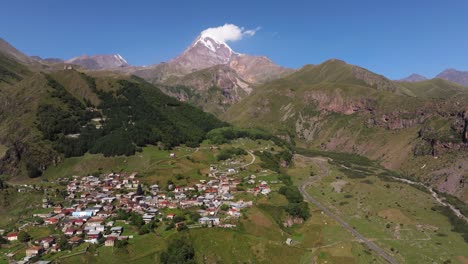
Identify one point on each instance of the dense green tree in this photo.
(136, 219)
(23, 236)
(139, 190)
(292, 194)
(33, 170)
(136, 114)
(298, 209)
(229, 153)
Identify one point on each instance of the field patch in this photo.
(338, 185)
(395, 215)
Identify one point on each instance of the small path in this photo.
(436, 197)
(251, 162)
(177, 158)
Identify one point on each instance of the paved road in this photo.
(371, 245)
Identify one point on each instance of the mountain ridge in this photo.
(453, 75)
(99, 62)
(335, 106)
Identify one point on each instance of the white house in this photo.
(209, 221)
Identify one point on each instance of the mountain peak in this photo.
(453, 75)
(413, 78)
(208, 50)
(211, 43)
(204, 52)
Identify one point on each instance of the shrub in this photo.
(298, 210)
(229, 153)
(23, 236)
(179, 251)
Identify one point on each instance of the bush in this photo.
(292, 194)
(136, 219)
(285, 179)
(298, 210)
(296, 206)
(179, 251)
(23, 236)
(120, 243)
(33, 170)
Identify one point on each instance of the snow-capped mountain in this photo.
(203, 53)
(99, 62)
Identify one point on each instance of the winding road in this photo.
(371, 245)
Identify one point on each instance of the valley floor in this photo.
(395, 221)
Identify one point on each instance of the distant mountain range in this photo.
(99, 62)
(456, 76)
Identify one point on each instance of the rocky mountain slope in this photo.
(206, 52)
(213, 89)
(340, 107)
(233, 74)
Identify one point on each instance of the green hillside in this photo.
(46, 116)
(435, 88)
(341, 107)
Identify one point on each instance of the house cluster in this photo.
(261, 187)
(93, 201)
(101, 196)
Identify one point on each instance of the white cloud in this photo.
(252, 32)
(228, 32)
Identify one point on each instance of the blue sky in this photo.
(393, 38)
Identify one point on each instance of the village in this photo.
(96, 210)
